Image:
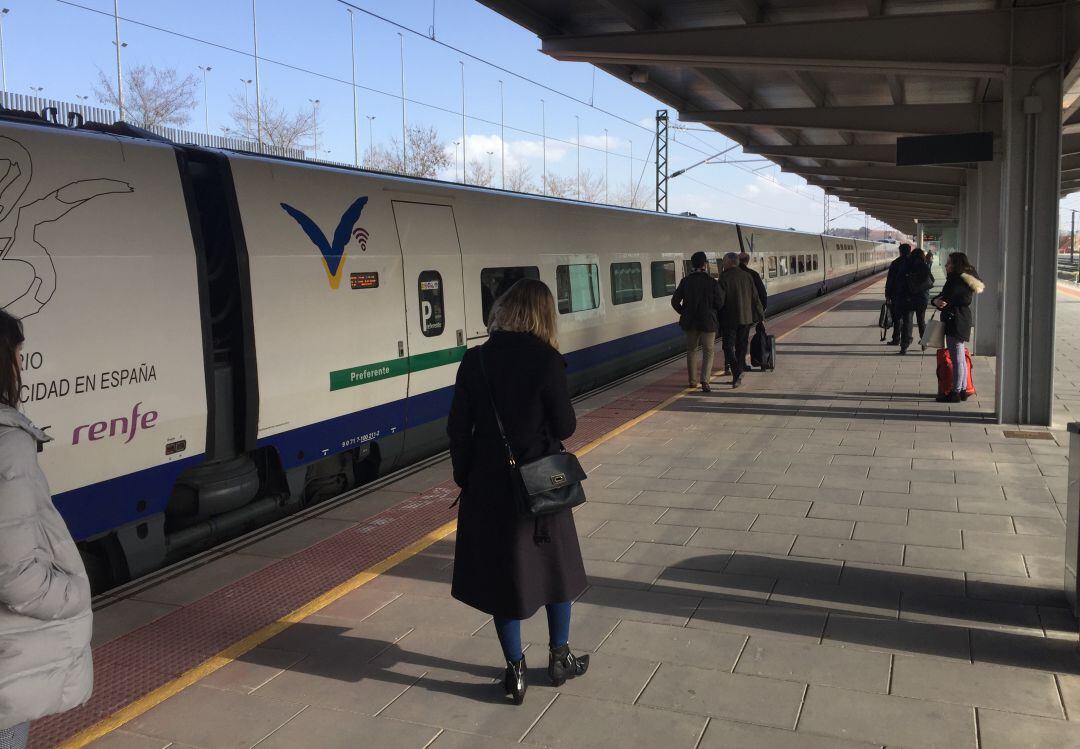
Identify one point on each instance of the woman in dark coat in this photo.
(917, 280)
(506, 564)
(954, 301)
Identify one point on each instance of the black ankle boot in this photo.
(563, 665)
(515, 681)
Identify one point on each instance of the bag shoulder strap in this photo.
(498, 419)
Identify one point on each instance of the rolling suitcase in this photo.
(945, 372)
(763, 349)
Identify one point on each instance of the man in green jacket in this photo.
(741, 308)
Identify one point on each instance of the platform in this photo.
(825, 558)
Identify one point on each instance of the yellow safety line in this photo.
(192, 676)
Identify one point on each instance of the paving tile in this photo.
(810, 663)
(438, 614)
(835, 511)
(1025, 651)
(459, 740)
(574, 721)
(826, 494)
(1001, 730)
(369, 504)
(225, 719)
(900, 637)
(779, 620)
(588, 628)
(604, 472)
(127, 740)
(297, 538)
(965, 560)
(669, 499)
(971, 492)
(638, 605)
(621, 574)
(362, 603)
(635, 531)
(718, 538)
(667, 555)
(726, 734)
(784, 567)
(1012, 689)
(609, 511)
(739, 521)
(1020, 544)
(962, 520)
(641, 483)
(759, 506)
(1039, 526)
(618, 678)
(922, 535)
(334, 729)
(121, 617)
(803, 478)
(603, 549)
(195, 584)
(659, 642)
(907, 580)
(607, 495)
(1070, 693)
(804, 526)
(883, 719)
(1011, 589)
(714, 584)
(908, 501)
(1010, 507)
(856, 551)
(749, 698)
(252, 670)
(728, 489)
(867, 599)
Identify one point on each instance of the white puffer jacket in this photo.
(45, 619)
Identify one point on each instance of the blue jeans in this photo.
(958, 354)
(509, 630)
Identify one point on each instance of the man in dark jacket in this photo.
(763, 297)
(913, 296)
(741, 308)
(893, 283)
(698, 302)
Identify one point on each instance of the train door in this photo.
(435, 318)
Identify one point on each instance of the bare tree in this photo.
(634, 196)
(479, 173)
(279, 127)
(427, 156)
(153, 97)
(519, 179)
(592, 186)
(560, 187)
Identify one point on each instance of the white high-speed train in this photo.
(217, 338)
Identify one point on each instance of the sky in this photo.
(60, 46)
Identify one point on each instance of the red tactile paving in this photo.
(135, 664)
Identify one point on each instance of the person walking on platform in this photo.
(962, 283)
(697, 301)
(893, 289)
(914, 293)
(508, 564)
(741, 309)
(45, 618)
(763, 297)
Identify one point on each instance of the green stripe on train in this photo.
(365, 373)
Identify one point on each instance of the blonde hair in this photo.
(527, 307)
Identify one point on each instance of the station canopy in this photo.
(825, 88)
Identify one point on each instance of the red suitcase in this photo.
(945, 372)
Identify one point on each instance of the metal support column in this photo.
(1032, 176)
(661, 160)
(988, 256)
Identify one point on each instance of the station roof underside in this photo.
(824, 88)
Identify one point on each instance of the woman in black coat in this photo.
(954, 301)
(506, 564)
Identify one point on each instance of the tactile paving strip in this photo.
(135, 664)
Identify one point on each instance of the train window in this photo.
(494, 282)
(783, 265)
(815, 259)
(663, 278)
(432, 311)
(626, 282)
(802, 263)
(772, 266)
(577, 287)
(793, 265)
(714, 269)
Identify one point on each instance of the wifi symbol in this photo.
(360, 234)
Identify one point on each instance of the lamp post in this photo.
(605, 167)
(3, 62)
(502, 135)
(247, 104)
(315, 123)
(206, 103)
(404, 137)
(464, 145)
(355, 112)
(370, 134)
(258, 89)
(37, 90)
(456, 177)
(491, 168)
(633, 190)
(119, 69)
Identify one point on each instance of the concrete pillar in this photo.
(987, 257)
(1029, 225)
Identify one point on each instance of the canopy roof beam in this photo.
(917, 119)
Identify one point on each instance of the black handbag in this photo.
(547, 484)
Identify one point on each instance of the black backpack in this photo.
(919, 283)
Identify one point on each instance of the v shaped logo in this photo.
(333, 253)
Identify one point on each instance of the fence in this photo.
(64, 111)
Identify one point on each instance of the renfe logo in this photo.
(333, 254)
(119, 427)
